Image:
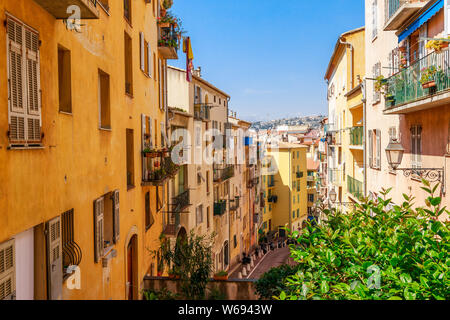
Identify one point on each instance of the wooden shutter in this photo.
(54, 259)
(116, 216)
(99, 207)
(160, 84)
(16, 81)
(7, 271)
(378, 156)
(33, 86)
(149, 60)
(371, 148)
(142, 50)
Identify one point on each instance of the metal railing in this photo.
(202, 111)
(392, 6)
(158, 166)
(235, 205)
(220, 207)
(405, 86)
(223, 173)
(354, 186)
(172, 224)
(181, 201)
(356, 136)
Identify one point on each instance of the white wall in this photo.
(24, 243)
(178, 89)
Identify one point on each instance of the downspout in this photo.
(364, 93)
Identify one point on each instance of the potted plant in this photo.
(427, 78)
(167, 4)
(436, 45)
(380, 84)
(149, 153)
(221, 276)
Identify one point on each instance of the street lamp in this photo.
(394, 154)
(333, 196)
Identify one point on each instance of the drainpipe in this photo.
(351, 60)
(364, 93)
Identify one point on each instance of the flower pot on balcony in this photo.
(429, 84)
(160, 273)
(220, 278)
(164, 25)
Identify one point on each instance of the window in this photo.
(225, 254)
(146, 55)
(376, 71)
(71, 252)
(207, 182)
(7, 271)
(234, 241)
(199, 215)
(64, 80)
(149, 220)
(298, 213)
(311, 197)
(208, 212)
(374, 19)
(416, 146)
(104, 100)
(130, 158)
(159, 198)
(310, 211)
(127, 10)
(375, 149)
(128, 65)
(24, 85)
(106, 223)
(293, 214)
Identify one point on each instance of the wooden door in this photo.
(130, 283)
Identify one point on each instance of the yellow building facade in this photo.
(286, 189)
(80, 209)
(344, 76)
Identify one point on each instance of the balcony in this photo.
(335, 176)
(334, 138)
(398, 12)
(405, 93)
(58, 9)
(355, 187)
(356, 137)
(158, 167)
(168, 43)
(181, 202)
(271, 182)
(202, 112)
(273, 199)
(220, 207)
(172, 225)
(299, 174)
(222, 174)
(252, 183)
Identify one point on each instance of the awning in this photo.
(424, 17)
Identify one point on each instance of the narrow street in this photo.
(272, 259)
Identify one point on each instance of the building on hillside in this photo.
(285, 189)
(76, 117)
(413, 105)
(344, 76)
(323, 159)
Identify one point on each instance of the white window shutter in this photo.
(378, 133)
(142, 49)
(54, 259)
(371, 148)
(7, 271)
(116, 216)
(16, 81)
(99, 207)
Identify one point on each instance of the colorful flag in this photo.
(187, 48)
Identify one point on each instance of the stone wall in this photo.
(234, 289)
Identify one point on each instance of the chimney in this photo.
(198, 72)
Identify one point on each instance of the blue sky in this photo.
(270, 56)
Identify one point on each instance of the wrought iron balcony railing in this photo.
(356, 136)
(172, 224)
(397, 12)
(234, 204)
(168, 43)
(355, 187)
(158, 167)
(181, 201)
(406, 86)
(220, 207)
(202, 111)
(299, 174)
(273, 199)
(222, 174)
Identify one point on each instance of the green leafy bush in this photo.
(272, 283)
(377, 251)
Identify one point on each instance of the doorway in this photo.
(132, 292)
